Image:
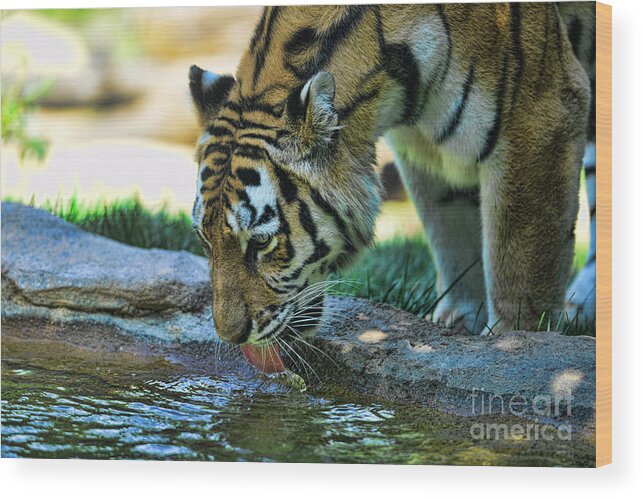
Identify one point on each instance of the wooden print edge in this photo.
(603, 234)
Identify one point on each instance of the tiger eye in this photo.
(260, 242)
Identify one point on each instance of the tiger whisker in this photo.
(317, 287)
(310, 345)
(300, 357)
(326, 319)
(327, 314)
(298, 364)
(282, 343)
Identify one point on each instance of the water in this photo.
(60, 402)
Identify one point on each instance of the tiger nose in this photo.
(233, 330)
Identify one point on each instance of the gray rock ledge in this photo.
(54, 273)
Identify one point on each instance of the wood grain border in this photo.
(603, 234)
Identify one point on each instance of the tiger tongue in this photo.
(265, 358)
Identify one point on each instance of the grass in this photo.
(129, 222)
(398, 271)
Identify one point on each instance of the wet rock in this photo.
(55, 273)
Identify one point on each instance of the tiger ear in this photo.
(311, 111)
(209, 91)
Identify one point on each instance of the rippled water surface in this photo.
(59, 402)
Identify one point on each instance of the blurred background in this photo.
(95, 105)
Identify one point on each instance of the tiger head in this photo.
(282, 201)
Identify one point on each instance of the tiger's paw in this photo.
(460, 318)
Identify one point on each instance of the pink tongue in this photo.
(265, 358)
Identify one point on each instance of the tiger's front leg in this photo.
(529, 204)
(451, 220)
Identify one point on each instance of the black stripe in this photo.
(275, 289)
(251, 106)
(209, 202)
(288, 188)
(516, 28)
(447, 30)
(222, 162)
(231, 121)
(246, 124)
(267, 215)
(355, 102)
(306, 220)
(248, 176)
(494, 132)
(206, 173)
(321, 250)
(233, 106)
(543, 55)
(380, 29)
(249, 151)
(295, 108)
(212, 148)
(214, 185)
(339, 221)
(243, 196)
(208, 99)
(353, 15)
(284, 228)
(258, 30)
(219, 131)
(226, 201)
(270, 88)
(294, 274)
(402, 66)
(327, 44)
(559, 39)
(301, 41)
(260, 57)
(590, 170)
(258, 136)
(469, 195)
(454, 121)
(574, 33)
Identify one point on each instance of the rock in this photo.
(398, 356)
(57, 274)
(53, 268)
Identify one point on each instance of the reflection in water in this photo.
(65, 406)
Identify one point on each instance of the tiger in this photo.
(486, 109)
